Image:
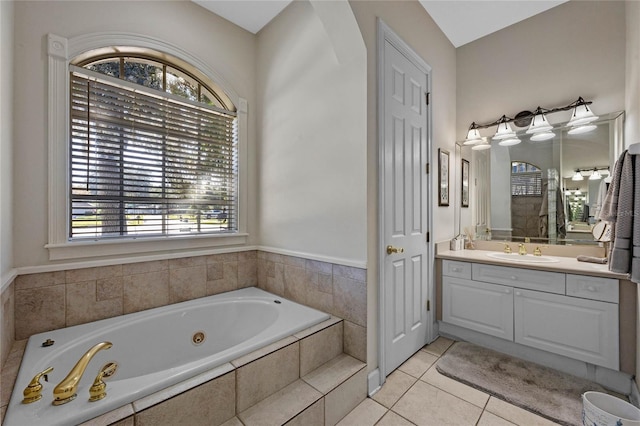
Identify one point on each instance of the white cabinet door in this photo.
(578, 328)
(487, 308)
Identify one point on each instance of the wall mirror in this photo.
(533, 191)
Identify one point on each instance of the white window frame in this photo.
(60, 52)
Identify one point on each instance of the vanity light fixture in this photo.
(473, 135)
(509, 142)
(594, 173)
(542, 136)
(539, 123)
(504, 129)
(484, 144)
(577, 176)
(581, 113)
(539, 127)
(578, 192)
(582, 129)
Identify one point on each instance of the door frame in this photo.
(386, 34)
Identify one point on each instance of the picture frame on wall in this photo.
(443, 177)
(464, 199)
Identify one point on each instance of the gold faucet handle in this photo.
(507, 248)
(537, 252)
(99, 388)
(33, 392)
(522, 250)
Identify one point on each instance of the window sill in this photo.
(142, 246)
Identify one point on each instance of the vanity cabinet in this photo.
(571, 315)
(483, 307)
(577, 328)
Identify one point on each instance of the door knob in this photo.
(392, 249)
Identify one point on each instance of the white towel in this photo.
(602, 192)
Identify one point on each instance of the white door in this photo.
(405, 250)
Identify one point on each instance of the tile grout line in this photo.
(419, 379)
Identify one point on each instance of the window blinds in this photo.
(144, 163)
(526, 183)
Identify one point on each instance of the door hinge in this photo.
(428, 305)
(428, 237)
(426, 97)
(427, 168)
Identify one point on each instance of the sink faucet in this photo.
(522, 250)
(66, 389)
(507, 248)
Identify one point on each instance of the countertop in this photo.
(565, 264)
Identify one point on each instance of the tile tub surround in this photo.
(244, 386)
(52, 300)
(336, 289)
(7, 327)
(104, 292)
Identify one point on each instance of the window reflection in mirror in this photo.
(528, 191)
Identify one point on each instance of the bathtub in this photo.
(153, 349)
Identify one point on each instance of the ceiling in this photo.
(251, 15)
(462, 21)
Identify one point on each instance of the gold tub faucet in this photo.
(98, 390)
(522, 250)
(33, 392)
(66, 389)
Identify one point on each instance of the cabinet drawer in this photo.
(551, 282)
(487, 308)
(595, 288)
(578, 328)
(452, 268)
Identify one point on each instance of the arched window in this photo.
(153, 148)
(526, 179)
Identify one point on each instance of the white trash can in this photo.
(601, 409)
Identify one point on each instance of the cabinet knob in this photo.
(518, 293)
(456, 269)
(514, 278)
(508, 291)
(591, 288)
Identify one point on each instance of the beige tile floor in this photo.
(417, 394)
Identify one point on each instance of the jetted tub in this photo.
(153, 349)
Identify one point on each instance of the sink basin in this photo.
(527, 258)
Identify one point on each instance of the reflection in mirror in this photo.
(547, 191)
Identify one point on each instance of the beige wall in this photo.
(6, 179)
(6, 138)
(228, 49)
(312, 132)
(575, 49)
(410, 21)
